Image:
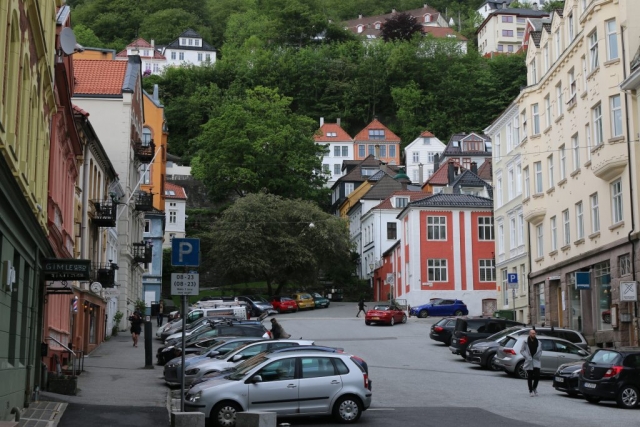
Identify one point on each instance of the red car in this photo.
(385, 313)
(284, 304)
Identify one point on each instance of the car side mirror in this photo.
(256, 379)
(236, 358)
(214, 353)
(583, 353)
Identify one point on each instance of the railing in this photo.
(142, 253)
(105, 213)
(144, 201)
(144, 151)
(73, 358)
(105, 273)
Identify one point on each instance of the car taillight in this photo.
(438, 329)
(366, 380)
(613, 371)
(463, 340)
(509, 351)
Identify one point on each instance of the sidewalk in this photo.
(115, 389)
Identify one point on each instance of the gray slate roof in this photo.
(451, 150)
(443, 200)
(383, 188)
(193, 35)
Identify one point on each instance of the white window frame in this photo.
(535, 117)
(540, 240)
(527, 184)
(485, 223)
(487, 270)
(509, 138)
(563, 162)
(616, 116)
(173, 217)
(612, 40)
(617, 208)
(593, 50)
(579, 221)
(558, 44)
(523, 115)
(534, 72)
(500, 239)
(538, 177)
(598, 131)
(512, 233)
(554, 233)
(437, 225)
(575, 149)
(511, 185)
(499, 190)
(571, 28)
(547, 111)
(566, 228)
(437, 265)
(520, 228)
(559, 99)
(552, 181)
(518, 179)
(415, 157)
(595, 213)
(516, 131)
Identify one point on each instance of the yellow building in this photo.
(155, 129)
(95, 53)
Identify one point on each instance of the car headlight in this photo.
(172, 365)
(167, 348)
(575, 374)
(195, 397)
(192, 371)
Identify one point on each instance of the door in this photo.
(319, 384)
(278, 390)
(549, 358)
(560, 311)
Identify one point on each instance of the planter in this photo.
(66, 385)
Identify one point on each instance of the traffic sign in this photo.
(512, 280)
(185, 284)
(628, 291)
(185, 252)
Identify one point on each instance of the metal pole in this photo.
(513, 296)
(183, 310)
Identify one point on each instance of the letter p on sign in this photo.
(185, 252)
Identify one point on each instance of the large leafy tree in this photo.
(401, 26)
(280, 241)
(255, 142)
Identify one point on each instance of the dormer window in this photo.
(473, 146)
(427, 18)
(183, 42)
(401, 202)
(360, 28)
(376, 133)
(169, 193)
(368, 171)
(377, 25)
(190, 42)
(197, 42)
(332, 134)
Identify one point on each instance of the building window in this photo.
(579, 221)
(509, 138)
(563, 162)
(571, 27)
(535, 116)
(585, 81)
(392, 151)
(512, 233)
(616, 201)
(550, 166)
(487, 270)
(587, 134)
(575, 148)
(598, 135)
(559, 99)
(566, 228)
(391, 231)
(537, 166)
(612, 40)
(505, 286)
(547, 59)
(518, 179)
(383, 151)
(376, 133)
(624, 264)
(326, 168)
(371, 149)
(402, 202)
(547, 110)
(437, 270)
(336, 169)
(147, 226)
(430, 157)
(173, 217)
(534, 72)
(498, 192)
(595, 213)
(540, 240)
(181, 56)
(360, 28)
(207, 56)
(523, 115)
(345, 151)
(572, 88)
(361, 151)
(511, 185)
(527, 188)
(197, 42)
(500, 48)
(516, 130)
(520, 229)
(348, 188)
(616, 116)
(173, 55)
(500, 238)
(145, 176)
(485, 228)
(520, 34)
(593, 50)
(507, 33)
(336, 151)
(190, 42)
(509, 48)
(558, 44)
(554, 234)
(199, 57)
(436, 228)
(507, 19)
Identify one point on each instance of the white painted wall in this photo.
(177, 228)
(424, 148)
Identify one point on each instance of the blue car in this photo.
(440, 307)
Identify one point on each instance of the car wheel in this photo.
(366, 322)
(458, 313)
(520, 371)
(592, 399)
(627, 397)
(347, 409)
(224, 414)
(491, 363)
(423, 313)
(392, 322)
(404, 318)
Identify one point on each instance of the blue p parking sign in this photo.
(185, 252)
(512, 280)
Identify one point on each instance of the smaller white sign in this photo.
(628, 291)
(110, 292)
(554, 278)
(185, 284)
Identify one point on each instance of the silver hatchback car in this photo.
(301, 383)
(555, 352)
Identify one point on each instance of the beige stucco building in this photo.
(502, 31)
(579, 170)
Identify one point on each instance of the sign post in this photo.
(184, 253)
(512, 280)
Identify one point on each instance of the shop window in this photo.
(602, 283)
(575, 296)
(540, 302)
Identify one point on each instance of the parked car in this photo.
(173, 368)
(284, 383)
(610, 374)
(555, 352)
(304, 300)
(320, 301)
(443, 329)
(283, 304)
(233, 358)
(483, 351)
(566, 377)
(470, 329)
(440, 307)
(257, 304)
(385, 314)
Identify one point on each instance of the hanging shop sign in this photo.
(66, 269)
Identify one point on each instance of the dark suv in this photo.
(610, 374)
(470, 329)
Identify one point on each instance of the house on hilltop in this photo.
(189, 48)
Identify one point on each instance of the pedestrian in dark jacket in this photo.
(361, 307)
(136, 327)
(278, 331)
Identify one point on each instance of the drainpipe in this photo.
(630, 164)
(529, 273)
(85, 202)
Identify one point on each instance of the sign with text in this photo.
(628, 291)
(66, 269)
(185, 252)
(512, 280)
(185, 284)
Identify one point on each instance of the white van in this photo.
(237, 312)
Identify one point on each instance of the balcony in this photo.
(144, 201)
(535, 214)
(105, 273)
(144, 151)
(609, 161)
(105, 213)
(142, 253)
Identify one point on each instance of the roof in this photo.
(485, 171)
(80, 110)
(468, 179)
(442, 32)
(443, 200)
(411, 195)
(454, 147)
(355, 174)
(190, 34)
(382, 188)
(427, 134)
(521, 12)
(441, 176)
(375, 124)
(179, 193)
(140, 43)
(99, 77)
(370, 20)
(325, 129)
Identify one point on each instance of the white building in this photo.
(152, 60)
(176, 170)
(175, 210)
(419, 156)
(338, 148)
(189, 48)
(502, 31)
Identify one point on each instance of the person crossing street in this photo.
(361, 307)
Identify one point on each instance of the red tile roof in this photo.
(140, 43)
(389, 136)
(80, 110)
(441, 176)
(341, 135)
(411, 195)
(427, 134)
(443, 32)
(179, 191)
(99, 77)
(485, 171)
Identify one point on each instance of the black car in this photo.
(443, 329)
(612, 374)
(470, 329)
(482, 352)
(566, 378)
(257, 304)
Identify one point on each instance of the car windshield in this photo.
(283, 299)
(234, 351)
(503, 333)
(317, 295)
(246, 366)
(381, 307)
(257, 298)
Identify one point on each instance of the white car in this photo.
(300, 383)
(233, 358)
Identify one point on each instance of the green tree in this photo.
(408, 100)
(254, 143)
(86, 37)
(401, 26)
(280, 241)
(166, 25)
(552, 5)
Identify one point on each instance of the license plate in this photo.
(375, 318)
(589, 385)
(559, 379)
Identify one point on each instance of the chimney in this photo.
(156, 97)
(451, 173)
(359, 16)
(338, 121)
(393, 11)
(474, 167)
(153, 43)
(420, 171)
(436, 162)
(426, 5)
(377, 151)
(534, 6)
(321, 121)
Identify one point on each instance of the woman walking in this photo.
(136, 327)
(532, 351)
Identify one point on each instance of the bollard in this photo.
(256, 419)
(148, 344)
(187, 419)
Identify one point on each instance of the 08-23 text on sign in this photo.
(185, 284)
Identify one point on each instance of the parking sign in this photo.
(185, 252)
(512, 280)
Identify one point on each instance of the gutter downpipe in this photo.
(529, 273)
(633, 219)
(85, 201)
